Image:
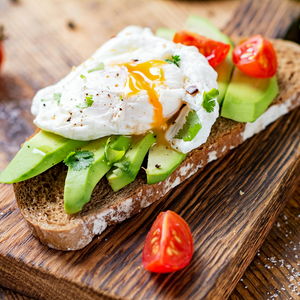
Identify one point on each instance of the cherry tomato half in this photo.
(169, 244)
(255, 57)
(215, 52)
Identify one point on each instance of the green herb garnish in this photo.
(208, 104)
(174, 60)
(82, 76)
(190, 128)
(87, 103)
(98, 68)
(55, 97)
(79, 160)
(121, 97)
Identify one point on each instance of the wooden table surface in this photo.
(275, 271)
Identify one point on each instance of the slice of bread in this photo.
(40, 199)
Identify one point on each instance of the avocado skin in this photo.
(162, 161)
(119, 178)
(79, 185)
(247, 97)
(27, 164)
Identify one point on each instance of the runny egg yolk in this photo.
(147, 76)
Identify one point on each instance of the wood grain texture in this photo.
(271, 18)
(110, 268)
(274, 272)
(6, 294)
(275, 268)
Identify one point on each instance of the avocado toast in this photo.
(41, 198)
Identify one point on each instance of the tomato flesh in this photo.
(215, 52)
(169, 244)
(255, 57)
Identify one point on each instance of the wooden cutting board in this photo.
(228, 225)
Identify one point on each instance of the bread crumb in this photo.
(241, 193)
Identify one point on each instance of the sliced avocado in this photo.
(166, 33)
(79, 185)
(224, 70)
(130, 166)
(40, 153)
(162, 161)
(205, 28)
(248, 97)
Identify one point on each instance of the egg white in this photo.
(130, 115)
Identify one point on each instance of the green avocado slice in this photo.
(130, 166)
(248, 97)
(162, 161)
(206, 28)
(80, 184)
(166, 33)
(38, 154)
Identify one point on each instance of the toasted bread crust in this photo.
(41, 198)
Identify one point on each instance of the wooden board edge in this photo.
(38, 285)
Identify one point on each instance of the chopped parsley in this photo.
(98, 68)
(79, 160)
(174, 60)
(112, 156)
(190, 128)
(55, 97)
(82, 76)
(121, 97)
(208, 103)
(87, 103)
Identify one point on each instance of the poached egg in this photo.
(127, 87)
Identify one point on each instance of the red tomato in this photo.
(215, 52)
(169, 244)
(255, 57)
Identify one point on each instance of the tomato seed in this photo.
(174, 232)
(156, 232)
(177, 239)
(175, 252)
(172, 245)
(155, 249)
(169, 251)
(154, 240)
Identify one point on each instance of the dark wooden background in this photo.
(275, 269)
